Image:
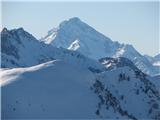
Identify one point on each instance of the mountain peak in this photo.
(20, 29)
(74, 19)
(4, 30)
(157, 56)
(22, 32)
(71, 21)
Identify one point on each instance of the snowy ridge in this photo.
(25, 44)
(74, 46)
(75, 29)
(51, 35)
(114, 63)
(95, 45)
(122, 86)
(7, 75)
(154, 60)
(17, 46)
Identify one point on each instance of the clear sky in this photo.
(136, 23)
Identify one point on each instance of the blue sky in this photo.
(136, 23)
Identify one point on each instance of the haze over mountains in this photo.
(76, 72)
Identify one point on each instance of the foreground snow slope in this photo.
(58, 89)
(51, 90)
(130, 91)
(74, 34)
(54, 89)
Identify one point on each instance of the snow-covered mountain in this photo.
(73, 34)
(157, 57)
(21, 49)
(128, 92)
(154, 60)
(114, 63)
(47, 81)
(58, 89)
(77, 35)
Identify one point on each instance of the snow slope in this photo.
(51, 90)
(129, 92)
(74, 34)
(58, 89)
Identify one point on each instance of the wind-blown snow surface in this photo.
(52, 90)
(77, 35)
(58, 89)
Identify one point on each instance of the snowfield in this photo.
(52, 90)
(57, 89)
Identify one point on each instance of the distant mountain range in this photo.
(73, 34)
(155, 61)
(75, 72)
